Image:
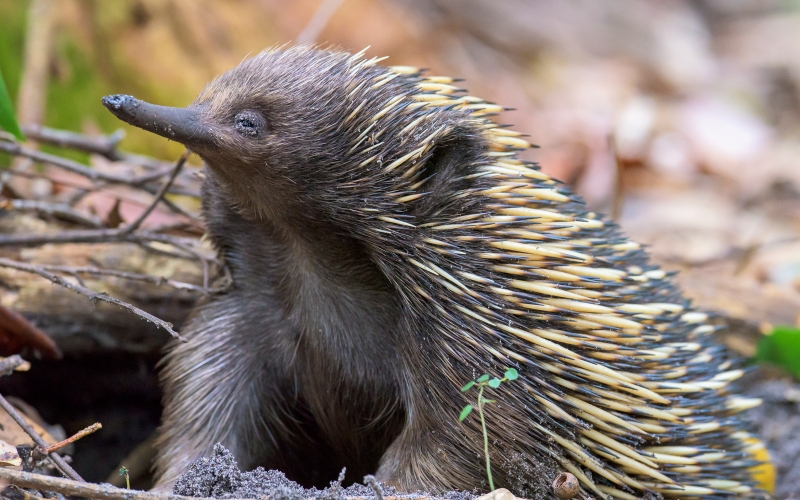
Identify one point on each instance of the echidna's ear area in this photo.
(445, 172)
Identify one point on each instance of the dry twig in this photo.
(16, 149)
(77, 271)
(85, 432)
(59, 210)
(79, 489)
(159, 195)
(105, 146)
(92, 236)
(90, 294)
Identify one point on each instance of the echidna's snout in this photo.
(184, 125)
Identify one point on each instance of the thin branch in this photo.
(83, 433)
(174, 226)
(84, 191)
(15, 149)
(172, 206)
(39, 175)
(148, 278)
(59, 210)
(78, 489)
(72, 166)
(166, 253)
(91, 236)
(149, 177)
(105, 146)
(90, 294)
(110, 236)
(72, 199)
(159, 195)
(59, 462)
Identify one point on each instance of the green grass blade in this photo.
(8, 122)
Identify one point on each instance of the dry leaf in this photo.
(8, 455)
(11, 432)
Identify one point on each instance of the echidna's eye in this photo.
(250, 123)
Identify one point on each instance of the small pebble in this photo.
(566, 486)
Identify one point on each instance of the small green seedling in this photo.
(482, 383)
(123, 471)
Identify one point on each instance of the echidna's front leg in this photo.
(433, 454)
(223, 386)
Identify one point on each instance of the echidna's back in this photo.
(622, 383)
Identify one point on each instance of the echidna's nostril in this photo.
(115, 101)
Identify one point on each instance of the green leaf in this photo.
(511, 374)
(483, 378)
(466, 411)
(782, 348)
(7, 120)
(494, 383)
(468, 386)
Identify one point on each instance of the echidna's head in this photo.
(326, 135)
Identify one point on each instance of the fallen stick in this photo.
(76, 488)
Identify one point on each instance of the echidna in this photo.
(387, 246)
